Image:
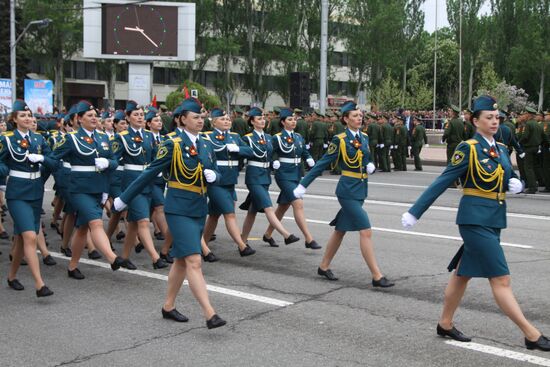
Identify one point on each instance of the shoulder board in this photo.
(365, 134)
(472, 141)
(147, 130)
(249, 134)
(8, 133)
(279, 134)
(101, 132)
(233, 133)
(54, 131)
(341, 135)
(177, 139)
(504, 145)
(73, 132)
(207, 132)
(171, 134)
(112, 137)
(123, 132)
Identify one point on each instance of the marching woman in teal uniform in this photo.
(136, 146)
(289, 148)
(154, 123)
(258, 178)
(189, 164)
(89, 154)
(485, 171)
(222, 196)
(21, 153)
(350, 152)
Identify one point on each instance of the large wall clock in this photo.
(139, 30)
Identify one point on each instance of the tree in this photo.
(59, 41)
(209, 101)
(412, 31)
(419, 95)
(387, 95)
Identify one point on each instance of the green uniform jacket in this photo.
(302, 129)
(419, 137)
(454, 132)
(531, 136)
(374, 133)
(387, 134)
(319, 131)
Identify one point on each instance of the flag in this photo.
(154, 101)
(185, 91)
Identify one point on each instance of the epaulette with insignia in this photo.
(54, 131)
(123, 132)
(249, 134)
(504, 145)
(341, 135)
(472, 141)
(7, 133)
(278, 134)
(101, 132)
(112, 137)
(147, 130)
(233, 133)
(72, 132)
(171, 134)
(177, 139)
(364, 133)
(207, 132)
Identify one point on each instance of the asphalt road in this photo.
(279, 312)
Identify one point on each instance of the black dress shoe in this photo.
(128, 264)
(247, 251)
(270, 241)
(166, 257)
(16, 285)
(174, 315)
(291, 239)
(160, 264)
(453, 334)
(159, 236)
(75, 274)
(22, 263)
(210, 257)
(4, 235)
(44, 292)
(49, 260)
(67, 252)
(215, 321)
(117, 263)
(382, 283)
(542, 343)
(94, 255)
(313, 245)
(327, 274)
(139, 248)
(120, 235)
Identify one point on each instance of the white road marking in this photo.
(212, 288)
(499, 352)
(408, 205)
(376, 183)
(422, 234)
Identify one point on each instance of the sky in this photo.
(429, 11)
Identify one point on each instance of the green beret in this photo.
(529, 110)
(297, 110)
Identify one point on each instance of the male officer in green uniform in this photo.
(454, 132)
(401, 142)
(337, 129)
(546, 152)
(239, 124)
(373, 131)
(301, 125)
(530, 140)
(385, 141)
(275, 126)
(469, 128)
(419, 138)
(319, 136)
(166, 119)
(539, 118)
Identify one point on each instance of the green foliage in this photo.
(176, 97)
(387, 96)
(489, 78)
(419, 94)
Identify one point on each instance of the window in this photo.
(159, 75)
(122, 73)
(90, 70)
(80, 70)
(173, 76)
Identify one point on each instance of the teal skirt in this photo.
(481, 255)
(25, 215)
(186, 233)
(221, 199)
(351, 217)
(157, 195)
(287, 191)
(258, 198)
(139, 208)
(87, 207)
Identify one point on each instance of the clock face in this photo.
(142, 30)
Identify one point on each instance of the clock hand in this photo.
(136, 29)
(148, 38)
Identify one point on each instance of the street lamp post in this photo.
(13, 43)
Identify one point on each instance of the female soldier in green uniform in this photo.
(189, 164)
(485, 170)
(349, 150)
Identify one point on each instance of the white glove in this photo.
(209, 175)
(308, 146)
(3, 188)
(231, 147)
(441, 141)
(522, 155)
(276, 164)
(119, 205)
(371, 168)
(310, 162)
(426, 145)
(101, 163)
(382, 145)
(299, 191)
(104, 197)
(408, 220)
(325, 146)
(35, 158)
(515, 186)
(392, 147)
(378, 145)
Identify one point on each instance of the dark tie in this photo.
(292, 136)
(92, 136)
(138, 133)
(158, 139)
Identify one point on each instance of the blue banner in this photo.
(39, 95)
(5, 96)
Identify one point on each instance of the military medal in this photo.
(88, 140)
(24, 144)
(193, 151)
(137, 139)
(220, 137)
(356, 144)
(289, 140)
(493, 153)
(262, 142)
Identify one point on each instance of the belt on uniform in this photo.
(83, 169)
(120, 168)
(135, 167)
(259, 164)
(355, 174)
(27, 175)
(290, 160)
(482, 194)
(227, 163)
(192, 188)
(66, 165)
